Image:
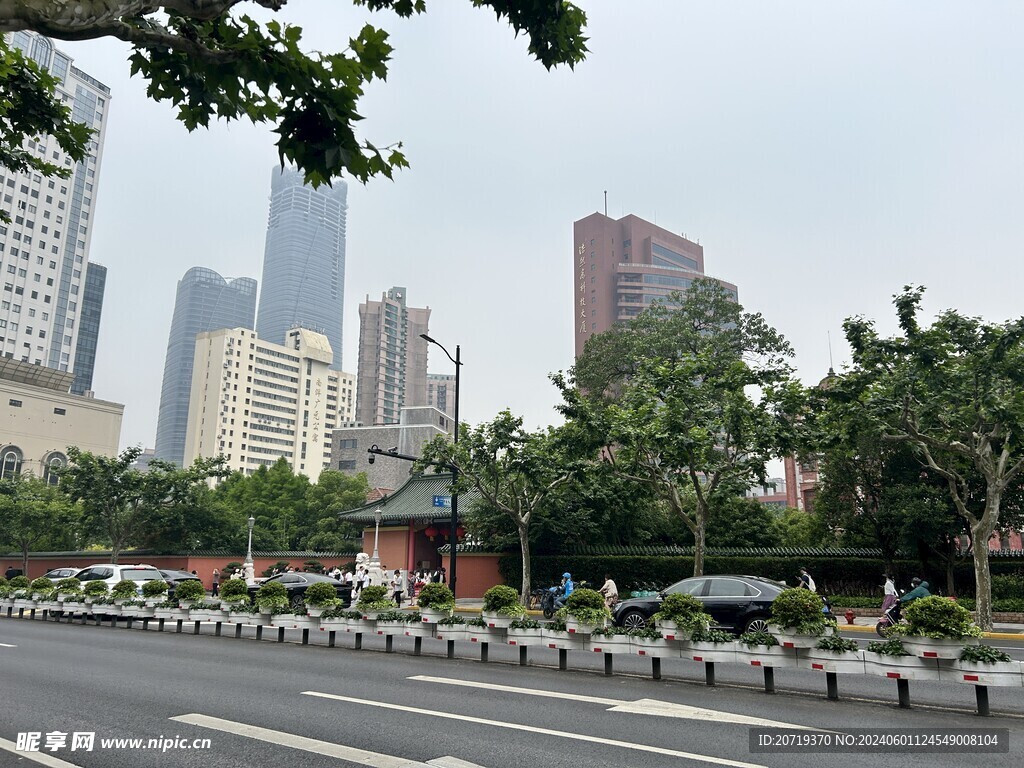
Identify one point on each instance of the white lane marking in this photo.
(7, 645)
(352, 754)
(639, 707)
(451, 762)
(546, 731)
(40, 757)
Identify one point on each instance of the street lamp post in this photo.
(453, 537)
(376, 533)
(248, 567)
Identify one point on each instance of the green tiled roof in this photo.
(413, 501)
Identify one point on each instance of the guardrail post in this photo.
(563, 659)
(417, 646)
(330, 638)
(903, 692)
(359, 640)
(769, 679)
(305, 635)
(981, 694)
(195, 631)
(832, 685)
(280, 634)
(709, 673)
(238, 631)
(451, 649)
(656, 667)
(609, 664)
(177, 629)
(483, 651)
(524, 655)
(216, 629)
(259, 631)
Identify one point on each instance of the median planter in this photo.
(680, 615)
(937, 648)
(414, 627)
(982, 665)
(435, 602)
(611, 640)
(562, 640)
(501, 607)
(574, 626)
(524, 632)
(452, 628)
(171, 613)
(585, 611)
(842, 662)
(709, 652)
(891, 660)
(292, 621)
(486, 634)
(644, 644)
(761, 649)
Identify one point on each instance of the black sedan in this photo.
(174, 578)
(736, 603)
(297, 583)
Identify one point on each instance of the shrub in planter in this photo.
(891, 647)
(190, 590)
(320, 594)
(452, 621)
(752, 639)
(3, 581)
(587, 606)
(685, 612)
(937, 618)
(19, 582)
(271, 595)
(125, 589)
(503, 600)
(799, 611)
(713, 636)
(154, 589)
(836, 644)
(234, 591)
(95, 588)
(436, 597)
(41, 586)
(374, 599)
(525, 624)
(983, 654)
(69, 585)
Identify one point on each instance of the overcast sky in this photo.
(824, 154)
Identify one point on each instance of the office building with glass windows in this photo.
(621, 266)
(44, 248)
(205, 302)
(392, 358)
(89, 328)
(303, 283)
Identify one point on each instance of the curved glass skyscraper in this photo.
(205, 302)
(304, 260)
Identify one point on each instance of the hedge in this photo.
(833, 575)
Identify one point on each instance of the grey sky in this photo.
(824, 154)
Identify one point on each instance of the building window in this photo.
(348, 464)
(54, 463)
(10, 462)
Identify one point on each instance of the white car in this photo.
(112, 573)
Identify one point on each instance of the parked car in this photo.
(112, 573)
(298, 582)
(174, 578)
(736, 603)
(57, 574)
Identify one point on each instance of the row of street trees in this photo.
(104, 502)
(682, 409)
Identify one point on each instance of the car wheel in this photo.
(297, 601)
(756, 624)
(633, 620)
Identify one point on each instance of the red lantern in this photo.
(431, 532)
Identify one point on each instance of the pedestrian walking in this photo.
(397, 587)
(216, 582)
(806, 581)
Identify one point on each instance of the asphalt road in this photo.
(269, 704)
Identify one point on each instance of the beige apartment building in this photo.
(41, 419)
(255, 402)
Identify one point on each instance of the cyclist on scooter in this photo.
(566, 590)
(918, 589)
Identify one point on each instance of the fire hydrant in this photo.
(850, 615)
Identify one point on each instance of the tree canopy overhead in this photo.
(210, 61)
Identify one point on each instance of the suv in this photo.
(60, 573)
(113, 573)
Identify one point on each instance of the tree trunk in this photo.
(982, 576)
(698, 546)
(24, 560)
(524, 546)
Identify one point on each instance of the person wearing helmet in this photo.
(918, 589)
(566, 590)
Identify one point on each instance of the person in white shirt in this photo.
(806, 581)
(891, 594)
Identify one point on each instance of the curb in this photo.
(992, 635)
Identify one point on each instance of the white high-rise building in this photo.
(44, 250)
(255, 402)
